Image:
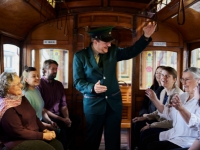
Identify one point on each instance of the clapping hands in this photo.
(151, 94)
(176, 102)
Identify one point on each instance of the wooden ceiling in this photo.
(19, 17)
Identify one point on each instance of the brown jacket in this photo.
(19, 124)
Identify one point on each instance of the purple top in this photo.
(53, 95)
(19, 124)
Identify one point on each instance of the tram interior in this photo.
(34, 30)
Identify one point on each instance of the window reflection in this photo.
(11, 58)
(161, 4)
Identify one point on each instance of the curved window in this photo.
(124, 71)
(11, 58)
(149, 62)
(61, 57)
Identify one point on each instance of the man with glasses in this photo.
(94, 75)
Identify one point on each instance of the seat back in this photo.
(126, 111)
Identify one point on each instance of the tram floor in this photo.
(124, 141)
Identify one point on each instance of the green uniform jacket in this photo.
(86, 73)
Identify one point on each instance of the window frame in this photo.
(158, 48)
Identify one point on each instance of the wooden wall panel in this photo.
(54, 30)
(105, 19)
(84, 3)
(138, 100)
(123, 3)
(167, 34)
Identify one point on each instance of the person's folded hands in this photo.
(49, 135)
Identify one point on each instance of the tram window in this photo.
(61, 56)
(149, 62)
(124, 71)
(162, 4)
(11, 58)
(195, 58)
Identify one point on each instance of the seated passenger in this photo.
(168, 80)
(147, 105)
(196, 144)
(30, 79)
(183, 110)
(20, 129)
(53, 94)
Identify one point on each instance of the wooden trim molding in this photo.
(11, 35)
(103, 19)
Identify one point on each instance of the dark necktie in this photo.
(165, 99)
(100, 63)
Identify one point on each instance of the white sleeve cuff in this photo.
(194, 121)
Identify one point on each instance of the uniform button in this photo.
(106, 97)
(104, 77)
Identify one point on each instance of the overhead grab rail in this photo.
(181, 10)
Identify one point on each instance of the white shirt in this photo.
(182, 134)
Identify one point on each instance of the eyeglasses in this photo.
(184, 80)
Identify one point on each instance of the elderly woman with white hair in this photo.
(184, 111)
(19, 126)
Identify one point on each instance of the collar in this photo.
(187, 98)
(94, 51)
